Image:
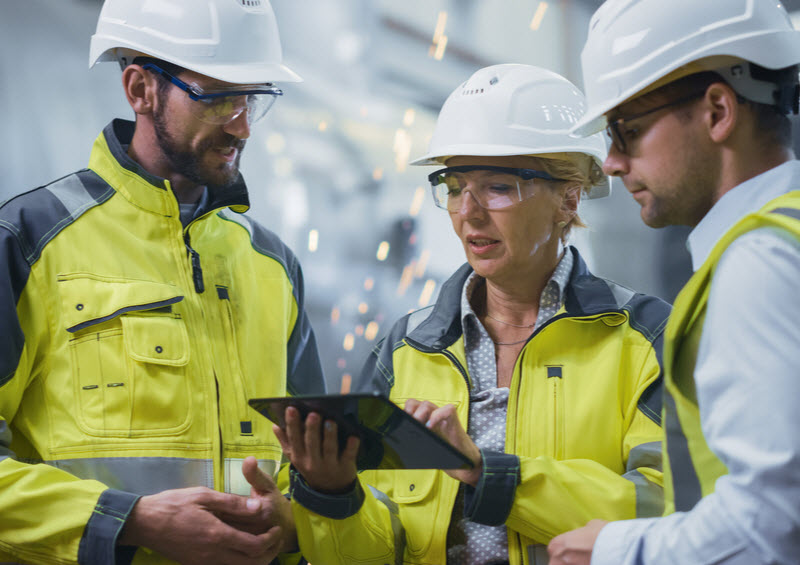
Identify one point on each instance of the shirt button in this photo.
(159, 349)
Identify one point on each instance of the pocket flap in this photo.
(90, 300)
(414, 485)
(156, 339)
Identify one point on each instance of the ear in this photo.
(722, 106)
(141, 89)
(570, 198)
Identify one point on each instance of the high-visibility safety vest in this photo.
(130, 346)
(691, 469)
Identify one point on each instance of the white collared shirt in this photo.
(748, 389)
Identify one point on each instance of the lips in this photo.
(227, 153)
(480, 244)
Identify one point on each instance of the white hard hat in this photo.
(514, 110)
(233, 41)
(633, 44)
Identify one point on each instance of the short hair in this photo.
(771, 122)
(170, 68)
(576, 168)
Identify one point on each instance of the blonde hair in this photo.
(577, 169)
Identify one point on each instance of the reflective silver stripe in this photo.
(5, 440)
(397, 525)
(142, 475)
(685, 483)
(649, 496)
(234, 479)
(72, 194)
(791, 212)
(645, 455)
(537, 555)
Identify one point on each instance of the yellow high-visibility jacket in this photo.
(691, 468)
(582, 432)
(130, 347)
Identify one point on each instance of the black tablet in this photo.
(390, 438)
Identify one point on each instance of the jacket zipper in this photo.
(197, 270)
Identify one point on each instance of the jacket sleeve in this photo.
(543, 497)
(362, 525)
(49, 516)
(304, 369)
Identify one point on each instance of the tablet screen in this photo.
(390, 438)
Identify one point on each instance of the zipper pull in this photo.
(197, 270)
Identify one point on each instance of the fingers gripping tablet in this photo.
(390, 438)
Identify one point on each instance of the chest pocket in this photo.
(129, 353)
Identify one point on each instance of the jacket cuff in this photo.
(99, 542)
(336, 506)
(490, 501)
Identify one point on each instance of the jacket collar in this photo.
(111, 161)
(586, 295)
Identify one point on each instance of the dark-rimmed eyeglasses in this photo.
(225, 104)
(497, 188)
(621, 134)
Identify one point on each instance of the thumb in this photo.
(257, 478)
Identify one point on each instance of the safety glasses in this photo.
(223, 105)
(493, 188)
(622, 134)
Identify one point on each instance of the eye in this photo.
(500, 188)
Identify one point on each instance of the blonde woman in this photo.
(545, 375)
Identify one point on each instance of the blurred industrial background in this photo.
(327, 170)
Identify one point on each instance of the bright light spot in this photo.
(335, 316)
(408, 117)
(377, 173)
(369, 283)
(360, 330)
(345, 386)
(363, 307)
(405, 279)
(417, 201)
(402, 149)
(383, 251)
(349, 342)
(422, 264)
(440, 47)
(313, 240)
(371, 332)
(322, 126)
(439, 38)
(538, 16)
(276, 143)
(427, 292)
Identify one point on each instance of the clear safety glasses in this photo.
(493, 188)
(621, 133)
(223, 105)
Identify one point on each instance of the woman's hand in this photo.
(444, 421)
(313, 448)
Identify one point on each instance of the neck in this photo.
(747, 159)
(516, 302)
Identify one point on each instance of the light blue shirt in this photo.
(748, 390)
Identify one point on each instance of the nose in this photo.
(239, 126)
(470, 207)
(616, 163)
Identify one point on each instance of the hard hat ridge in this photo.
(635, 45)
(513, 109)
(234, 41)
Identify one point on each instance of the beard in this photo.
(189, 162)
